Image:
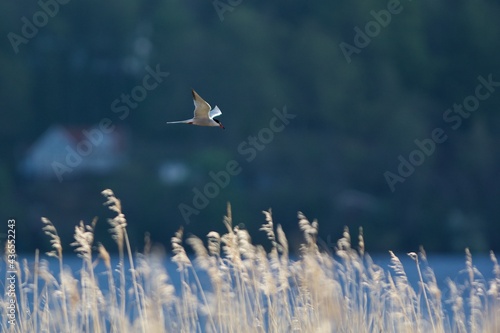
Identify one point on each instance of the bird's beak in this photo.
(221, 126)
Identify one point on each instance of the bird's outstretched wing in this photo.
(215, 112)
(201, 108)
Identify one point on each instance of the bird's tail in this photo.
(179, 122)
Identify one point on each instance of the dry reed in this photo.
(246, 290)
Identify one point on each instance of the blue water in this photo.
(444, 267)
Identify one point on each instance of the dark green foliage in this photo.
(353, 119)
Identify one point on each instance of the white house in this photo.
(65, 152)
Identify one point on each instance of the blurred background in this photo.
(85, 96)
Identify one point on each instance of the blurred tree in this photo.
(354, 119)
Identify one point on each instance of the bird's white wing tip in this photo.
(215, 112)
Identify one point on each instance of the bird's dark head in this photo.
(220, 124)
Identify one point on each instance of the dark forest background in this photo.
(355, 116)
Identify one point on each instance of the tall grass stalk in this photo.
(55, 240)
(120, 235)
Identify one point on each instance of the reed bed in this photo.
(249, 289)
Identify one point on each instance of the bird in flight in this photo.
(203, 115)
